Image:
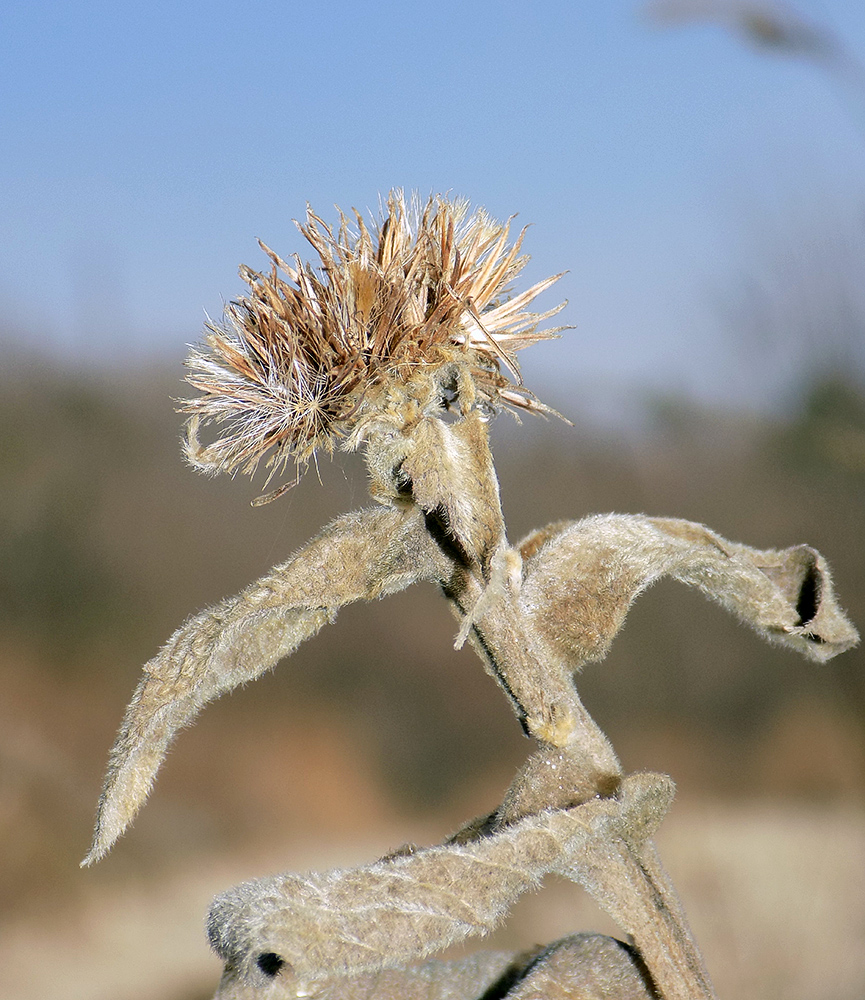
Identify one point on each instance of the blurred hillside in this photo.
(378, 730)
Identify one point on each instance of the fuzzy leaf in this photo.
(582, 967)
(407, 906)
(361, 556)
(582, 577)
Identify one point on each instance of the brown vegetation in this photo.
(109, 542)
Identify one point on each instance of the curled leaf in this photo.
(582, 577)
(447, 471)
(584, 966)
(407, 906)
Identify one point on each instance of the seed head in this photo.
(391, 325)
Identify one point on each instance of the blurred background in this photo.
(700, 170)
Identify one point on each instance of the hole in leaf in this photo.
(269, 963)
(809, 595)
(402, 481)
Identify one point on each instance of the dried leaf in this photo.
(580, 967)
(407, 906)
(447, 471)
(361, 556)
(619, 868)
(582, 577)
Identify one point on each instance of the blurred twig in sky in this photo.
(767, 25)
(774, 27)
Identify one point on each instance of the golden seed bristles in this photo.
(386, 324)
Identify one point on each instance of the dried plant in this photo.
(397, 344)
(768, 25)
(390, 328)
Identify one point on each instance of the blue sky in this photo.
(144, 148)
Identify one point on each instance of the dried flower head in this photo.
(394, 324)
